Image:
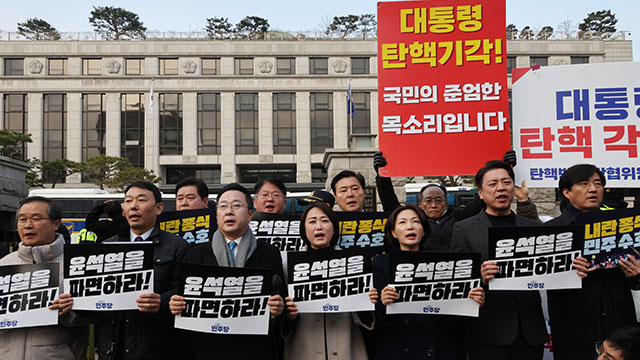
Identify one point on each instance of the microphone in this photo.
(276, 283)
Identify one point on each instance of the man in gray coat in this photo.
(510, 324)
(38, 219)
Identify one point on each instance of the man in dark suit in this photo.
(510, 324)
(605, 302)
(234, 245)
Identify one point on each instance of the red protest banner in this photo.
(442, 86)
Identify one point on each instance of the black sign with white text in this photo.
(195, 226)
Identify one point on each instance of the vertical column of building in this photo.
(228, 141)
(265, 126)
(340, 120)
(73, 134)
(34, 125)
(303, 137)
(113, 125)
(2, 118)
(374, 115)
(190, 125)
(152, 133)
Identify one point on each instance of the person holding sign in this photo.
(404, 335)
(38, 219)
(605, 301)
(234, 245)
(336, 335)
(147, 333)
(511, 324)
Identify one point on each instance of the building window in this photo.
(579, 59)
(15, 116)
(511, 64)
(14, 66)
(321, 122)
(55, 127)
(91, 66)
(318, 173)
(246, 123)
(168, 66)
(318, 66)
(361, 119)
(132, 128)
(244, 66)
(284, 123)
(251, 174)
(210, 66)
(170, 124)
(134, 67)
(208, 174)
(57, 66)
(93, 125)
(359, 66)
(209, 124)
(286, 66)
(539, 60)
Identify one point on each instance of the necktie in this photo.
(232, 245)
(138, 238)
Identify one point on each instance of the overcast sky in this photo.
(186, 15)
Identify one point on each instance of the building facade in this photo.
(220, 110)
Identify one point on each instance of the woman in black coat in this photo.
(409, 336)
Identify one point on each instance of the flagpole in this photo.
(349, 107)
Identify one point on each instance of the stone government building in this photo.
(223, 110)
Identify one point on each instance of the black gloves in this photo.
(380, 161)
(509, 157)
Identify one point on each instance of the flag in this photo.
(151, 99)
(351, 107)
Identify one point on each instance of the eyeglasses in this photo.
(35, 220)
(235, 206)
(275, 195)
(600, 351)
(436, 200)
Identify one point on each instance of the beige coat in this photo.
(43, 342)
(305, 338)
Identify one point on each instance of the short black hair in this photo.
(54, 212)
(203, 189)
(579, 173)
(330, 214)
(237, 187)
(439, 186)
(626, 339)
(393, 242)
(345, 174)
(493, 165)
(271, 180)
(147, 186)
(113, 209)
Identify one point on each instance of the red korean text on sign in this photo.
(442, 86)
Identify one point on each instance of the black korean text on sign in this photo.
(364, 230)
(610, 236)
(195, 226)
(433, 276)
(279, 230)
(328, 275)
(26, 291)
(536, 257)
(222, 293)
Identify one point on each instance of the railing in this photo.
(202, 36)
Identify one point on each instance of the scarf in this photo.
(222, 253)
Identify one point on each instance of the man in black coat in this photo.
(234, 245)
(581, 317)
(147, 333)
(510, 324)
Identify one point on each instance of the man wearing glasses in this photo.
(38, 219)
(270, 196)
(234, 245)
